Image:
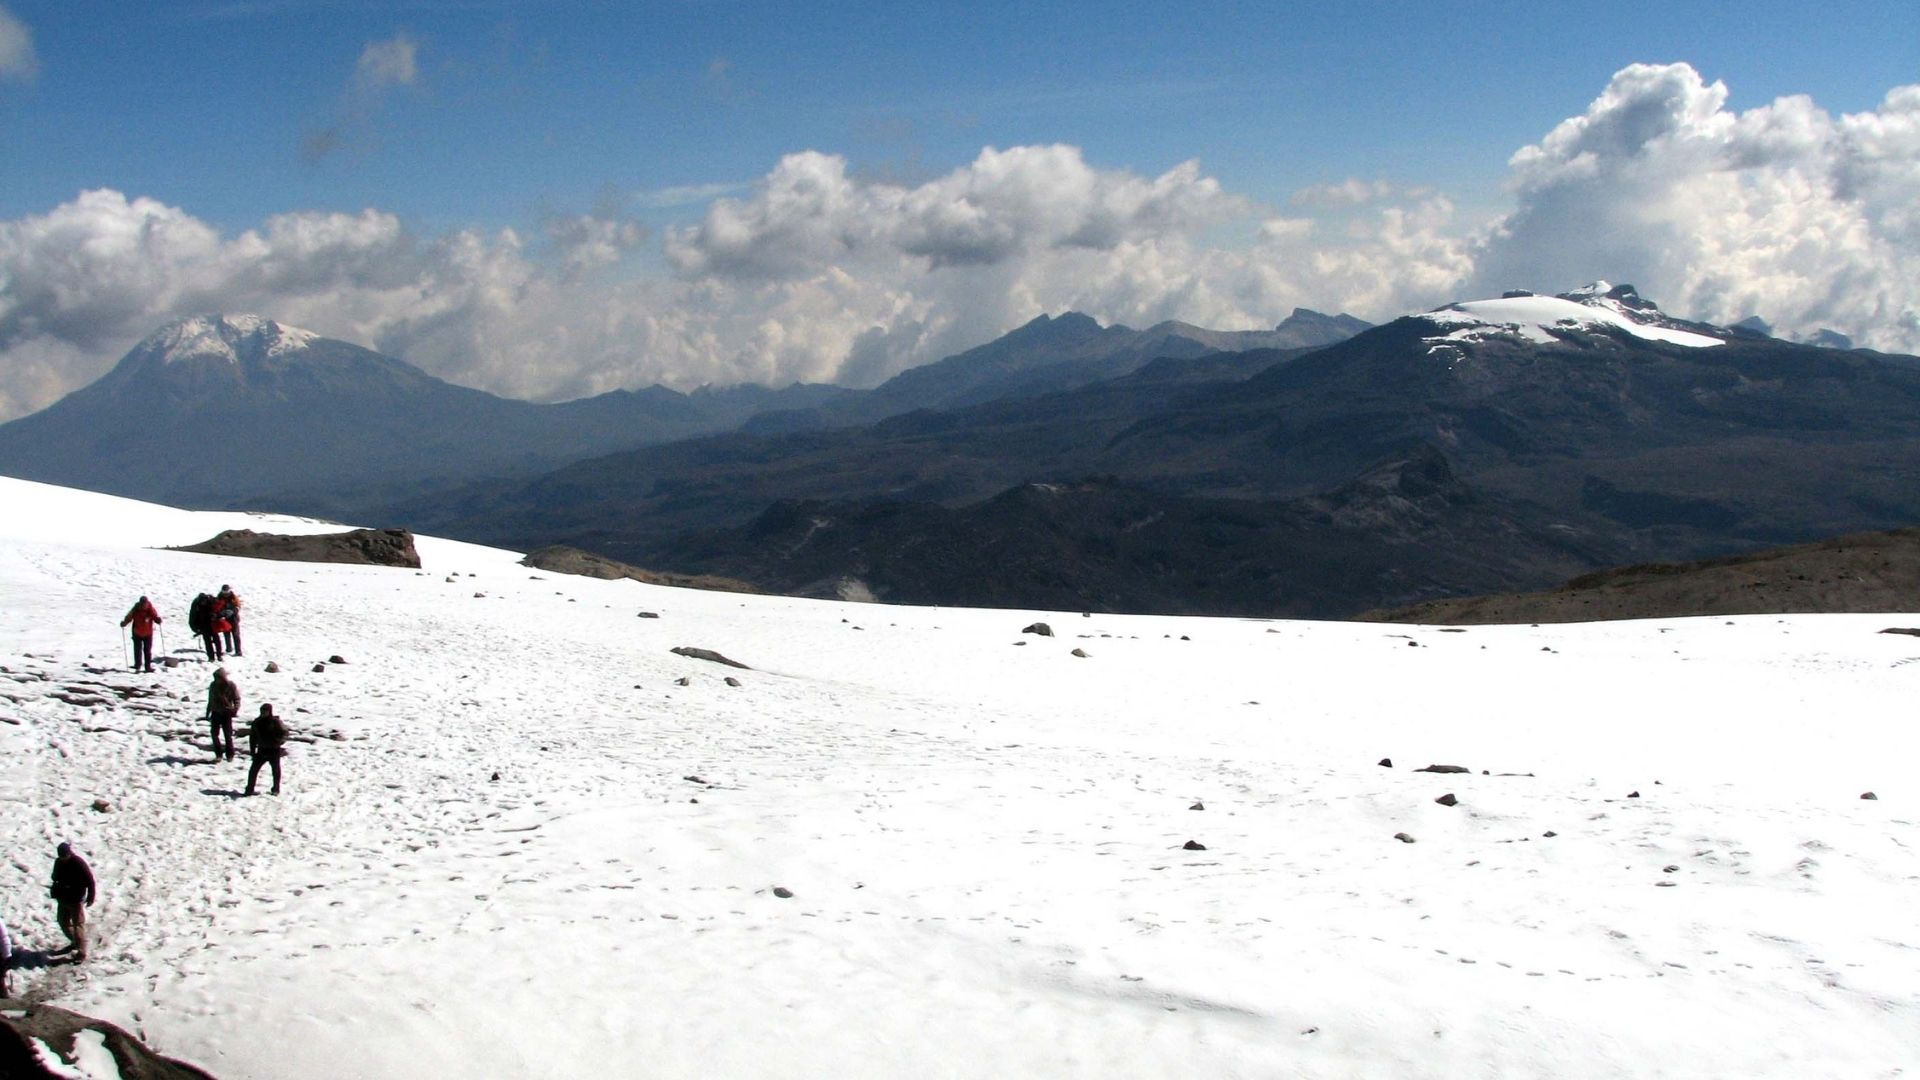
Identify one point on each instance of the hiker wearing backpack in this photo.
(266, 740)
(200, 621)
(72, 892)
(143, 616)
(227, 606)
(223, 704)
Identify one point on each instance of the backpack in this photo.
(200, 615)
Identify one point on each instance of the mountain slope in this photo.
(227, 410)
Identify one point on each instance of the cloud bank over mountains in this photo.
(816, 273)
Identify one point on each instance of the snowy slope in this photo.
(983, 839)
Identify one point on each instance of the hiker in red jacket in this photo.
(228, 605)
(143, 617)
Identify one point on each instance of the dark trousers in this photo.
(253, 772)
(143, 653)
(213, 646)
(233, 639)
(222, 735)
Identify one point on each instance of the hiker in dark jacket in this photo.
(228, 606)
(72, 892)
(266, 741)
(223, 704)
(144, 617)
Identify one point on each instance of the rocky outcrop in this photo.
(561, 559)
(29, 1034)
(364, 547)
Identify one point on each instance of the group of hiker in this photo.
(72, 890)
(266, 737)
(214, 619)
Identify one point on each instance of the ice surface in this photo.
(983, 842)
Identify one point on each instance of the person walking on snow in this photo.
(266, 741)
(228, 606)
(223, 704)
(143, 616)
(72, 891)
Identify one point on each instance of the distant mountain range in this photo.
(1569, 432)
(236, 410)
(1321, 469)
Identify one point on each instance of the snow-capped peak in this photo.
(225, 337)
(1542, 319)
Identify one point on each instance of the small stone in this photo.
(1447, 800)
(1670, 868)
(1194, 845)
(684, 680)
(493, 778)
(318, 668)
(1184, 637)
(1198, 806)
(1386, 763)
(1039, 628)
(1413, 644)
(273, 668)
(693, 779)
(336, 659)
(783, 892)
(102, 806)
(1868, 795)
(1081, 653)
(1403, 838)
(1633, 794)
(649, 614)
(1665, 884)
(1549, 834)
(731, 681)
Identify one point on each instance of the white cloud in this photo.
(814, 272)
(386, 63)
(18, 61)
(1784, 211)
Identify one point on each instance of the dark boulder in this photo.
(1039, 628)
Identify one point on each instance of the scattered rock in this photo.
(479, 596)
(684, 680)
(336, 659)
(1868, 795)
(1549, 834)
(1403, 838)
(1670, 868)
(1913, 630)
(318, 668)
(731, 681)
(102, 806)
(690, 778)
(1184, 637)
(1413, 644)
(273, 668)
(1665, 884)
(649, 614)
(1081, 653)
(1633, 794)
(1386, 763)
(1198, 806)
(1039, 628)
(1194, 845)
(1447, 800)
(1445, 769)
(708, 655)
(783, 892)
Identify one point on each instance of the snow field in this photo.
(983, 839)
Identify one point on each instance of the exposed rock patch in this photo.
(362, 547)
(707, 654)
(61, 1030)
(561, 559)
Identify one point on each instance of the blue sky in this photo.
(519, 109)
(549, 200)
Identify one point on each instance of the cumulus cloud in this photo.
(18, 62)
(816, 272)
(1784, 210)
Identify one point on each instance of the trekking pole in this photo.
(126, 644)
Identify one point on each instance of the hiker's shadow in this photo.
(35, 959)
(176, 759)
(226, 793)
